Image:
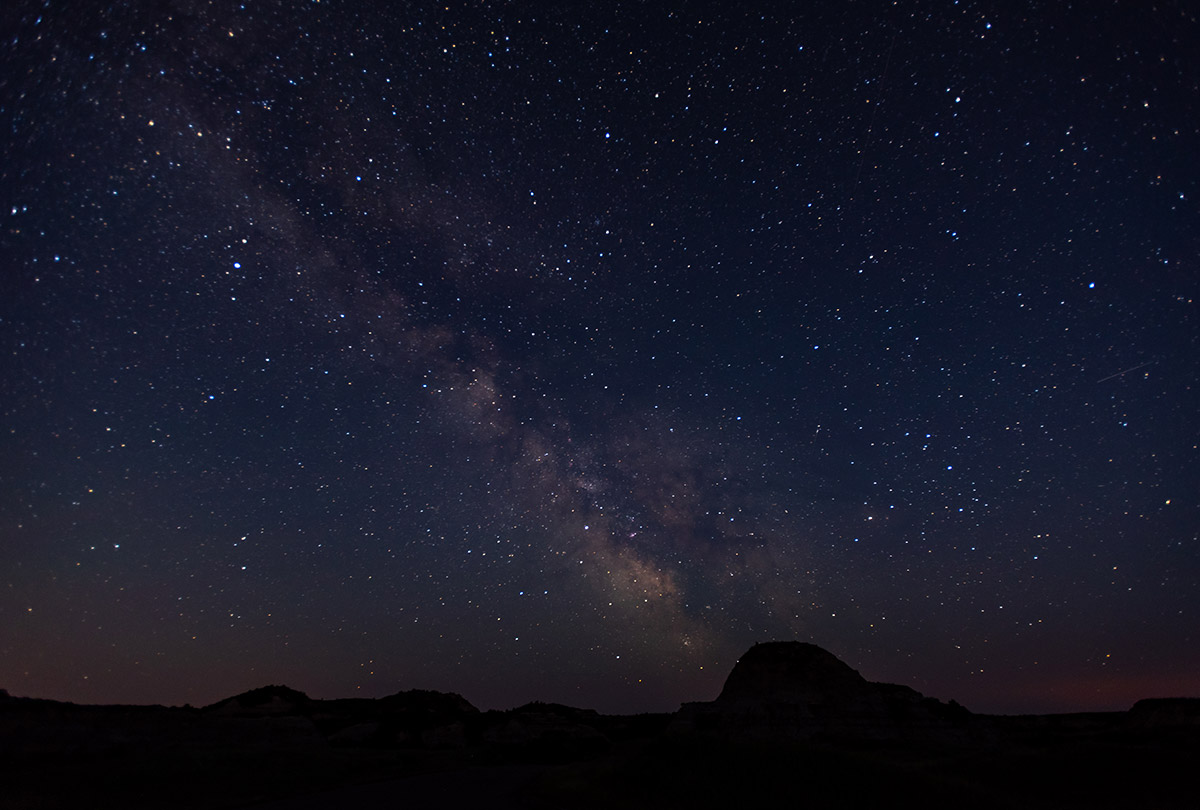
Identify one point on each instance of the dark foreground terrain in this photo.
(794, 726)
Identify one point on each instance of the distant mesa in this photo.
(415, 718)
(276, 700)
(1168, 712)
(266, 701)
(425, 701)
(792, 691)
(791, 671)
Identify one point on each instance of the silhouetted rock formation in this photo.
(793, 723)
(791, 671)
(425, 719)
(791, 691)
(428, 702)
(1165, 712)
(268, 717)
(266, 701)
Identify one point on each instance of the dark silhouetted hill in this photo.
(791, 691)
(793, 726)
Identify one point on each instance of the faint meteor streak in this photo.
(1126, 371)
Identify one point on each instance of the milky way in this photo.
(534, 352)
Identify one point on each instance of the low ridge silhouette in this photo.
(793, 723)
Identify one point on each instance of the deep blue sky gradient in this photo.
(534, 352)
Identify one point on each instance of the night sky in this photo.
(535, 351)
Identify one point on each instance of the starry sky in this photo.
(542, 351)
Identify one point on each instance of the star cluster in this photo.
(540, 352)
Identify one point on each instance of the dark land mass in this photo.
(793, 726)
